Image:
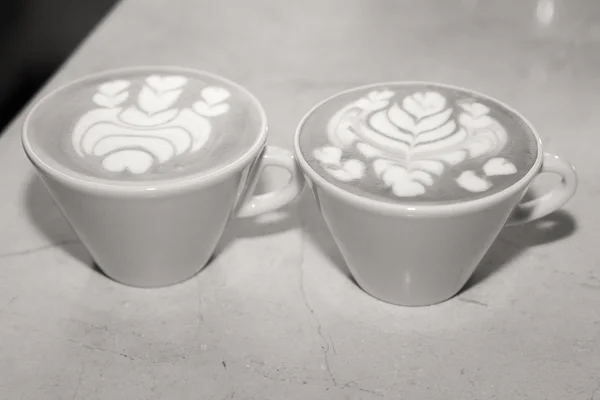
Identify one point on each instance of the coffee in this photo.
(417, 143)
(138, 125)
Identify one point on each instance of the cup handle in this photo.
(550, 202)
(258, 204)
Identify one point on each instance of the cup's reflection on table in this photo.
(415, 181)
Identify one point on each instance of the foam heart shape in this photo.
(350, 170)
(499, 166)
(108, 101)
(136, 161)
(165, 83)
(113, 88)
(423, 104)
(380, 166)
(393, 174)
(468, 180)
(328, 155)
(135, 117)
(207, 110)
(420, 98)
(355, 168)
(214, 95)
(403, 182)
(382, 95)
(477, 110)
(408, 188)
(422, 177)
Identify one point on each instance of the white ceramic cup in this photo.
(414, 254)
(155, 232)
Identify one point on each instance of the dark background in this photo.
(36, 37)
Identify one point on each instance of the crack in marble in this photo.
(230, 396)
(199, 323)
(78, 384)
(332, 345)
(315, 317)
(311, 310)
(33, 250)
(471, 301)
(8, 304)
(352, 385)
(594, 392)
(325, 346)
(590, 286)
(369, 391)
(103, 350)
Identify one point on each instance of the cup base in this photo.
(149, 283)
(405, 301)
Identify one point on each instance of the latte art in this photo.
(150, 132)
(146, 125)
(410, 144)
(417, 142)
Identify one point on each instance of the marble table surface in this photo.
(276, 316)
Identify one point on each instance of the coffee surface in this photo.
(417, 143)
(146, 125)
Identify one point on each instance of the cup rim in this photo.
(415, 208)
(97, 184)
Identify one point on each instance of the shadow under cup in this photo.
(423, 254)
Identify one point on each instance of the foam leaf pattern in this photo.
(340, 128)
(417, 137)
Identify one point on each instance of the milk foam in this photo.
(145, 125)
(409, 142)
(150, 132)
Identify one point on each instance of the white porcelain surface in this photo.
(275, 316)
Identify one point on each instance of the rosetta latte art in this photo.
(152, 130)
(410, 144)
